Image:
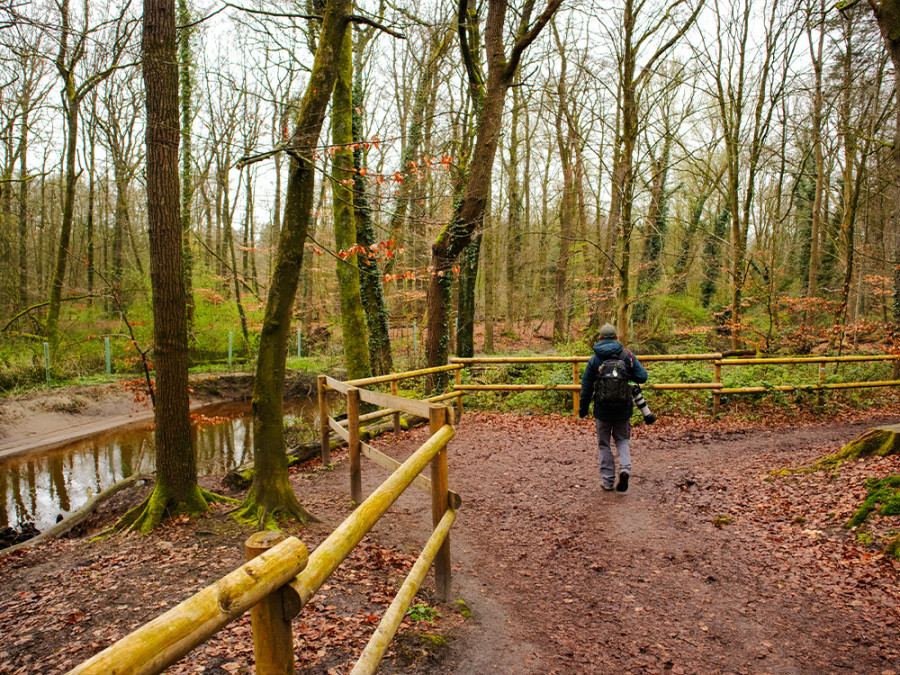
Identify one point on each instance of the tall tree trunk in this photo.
(228, 237)
(818, 103)
(68, 215)
(120, 225)
(176, 490)
(90, 210)
(488, 274)
(271, 492)
(23, 207)
(353, 319)
(514, 225)
(887, 14)
(567, 217)
(686, 243)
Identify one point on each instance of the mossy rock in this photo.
(876, 442)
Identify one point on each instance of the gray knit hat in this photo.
(608, 331)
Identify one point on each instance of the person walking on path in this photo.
(605, 382)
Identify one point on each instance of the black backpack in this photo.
(611, 386)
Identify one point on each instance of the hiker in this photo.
(606, 382)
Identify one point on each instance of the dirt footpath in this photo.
(706, 565)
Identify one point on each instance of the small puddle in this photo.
(40, 487)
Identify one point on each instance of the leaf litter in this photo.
(559, 575)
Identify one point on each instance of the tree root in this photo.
(158, 506)
(265, 515)
(876, 442)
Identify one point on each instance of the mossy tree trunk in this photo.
(711, 257)
(271, 493)
(371, 286)
(650, 271)
(353, 318)
(468, 274)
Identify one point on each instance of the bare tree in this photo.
(80, 71)
(489, 94)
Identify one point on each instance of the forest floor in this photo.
(714, 561)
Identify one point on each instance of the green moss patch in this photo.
(884, 496)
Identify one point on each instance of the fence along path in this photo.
(280, 576)
(715, 386)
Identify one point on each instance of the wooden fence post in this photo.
(439, 502)
(324, 430)
(717, 377)
(459, 399)
(396, 415)
(353, 428)
(821, 382)
(576, 395)
(273, 642)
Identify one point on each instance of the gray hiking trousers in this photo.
(620, 432)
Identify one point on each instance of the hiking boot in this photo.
(607, 486)
(623, 482)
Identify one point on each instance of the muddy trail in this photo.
(576, 579)
(710, 563)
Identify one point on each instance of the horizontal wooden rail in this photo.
(160, 643)
(391, 464)
(378, 414)
(341, 431)
(577, 387)
(808, 387)
(396, 377)
(517, 387)
(495, 360)
(337, 385)
(331, 552)
(408, 405)
(807, 359)
(387, 628)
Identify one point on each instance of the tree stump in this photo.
(875, 442)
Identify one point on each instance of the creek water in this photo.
(38, 488)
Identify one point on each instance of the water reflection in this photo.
(38, 488)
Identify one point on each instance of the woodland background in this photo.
(701, 174)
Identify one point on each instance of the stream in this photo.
(40, 487)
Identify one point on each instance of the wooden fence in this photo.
(716, 387)
(280, 577)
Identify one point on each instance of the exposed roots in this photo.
(159, 505)
(264, 514)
